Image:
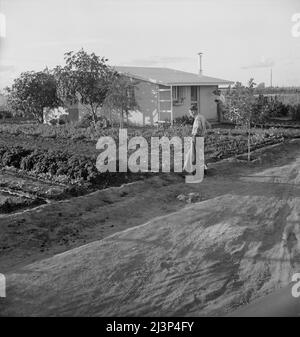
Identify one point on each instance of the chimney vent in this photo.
(200, 64)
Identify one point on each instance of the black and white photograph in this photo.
(150, 161)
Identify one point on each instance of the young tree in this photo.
(121, 97)
(33, 91)
(85, 78)
(241, 108)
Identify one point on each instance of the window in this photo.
(175, 93)
(194, 94)
(178, 94)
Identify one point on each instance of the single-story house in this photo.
(165, 94)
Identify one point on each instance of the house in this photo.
(161, 94)
(165, 94)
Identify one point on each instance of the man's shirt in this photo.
(199, 126)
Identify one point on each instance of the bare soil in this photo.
(238, 242)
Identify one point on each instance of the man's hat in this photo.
(193, 107)
(217, 92)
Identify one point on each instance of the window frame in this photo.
(175, 93)
(194, 87)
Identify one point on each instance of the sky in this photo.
(239, 39)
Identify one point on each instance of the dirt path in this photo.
(207, 258)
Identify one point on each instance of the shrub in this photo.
(62, 120)
(295, 111)
(87, 121)
(184, 120)
(13, 156)
(28, 162)
(53, 163)
(84, 122)
(277, 109)
(53, 121)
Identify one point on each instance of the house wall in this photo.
(206, 103)
(183, 109)
(208, 106)
(146, 95)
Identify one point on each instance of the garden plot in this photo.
(64, 165)
(17, 192)
(10, 202)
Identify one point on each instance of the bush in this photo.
(13, 156)
(295, 112)
(28, 162)
(184, 120)
(53, 121)
(52, 163)
(84, 122)
(278, 109)
(87, 121)
(5, 114)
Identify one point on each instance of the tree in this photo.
(260, 87)
(85, 78)
(33, 91)
(121, 96)
(241, 108)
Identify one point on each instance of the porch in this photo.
(174, 101)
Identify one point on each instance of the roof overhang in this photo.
(182, 84)
(151, 80)
(200, 84)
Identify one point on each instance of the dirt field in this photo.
(239, 241)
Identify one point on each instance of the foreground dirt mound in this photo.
(204, 260)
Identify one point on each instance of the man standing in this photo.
(220, 100)
(200, 127)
